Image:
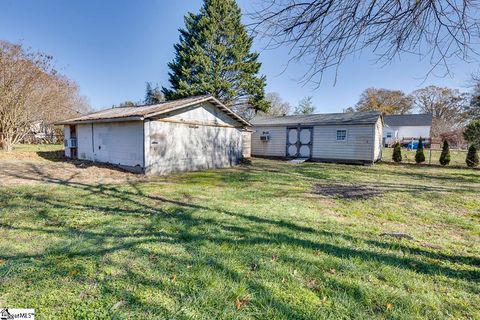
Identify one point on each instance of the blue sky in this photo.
(111, 48)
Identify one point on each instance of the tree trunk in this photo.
(6, 143)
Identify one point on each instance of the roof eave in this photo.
(314, 124)
(120, 119)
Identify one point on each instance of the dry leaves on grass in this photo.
(312, 284)
(240, 302)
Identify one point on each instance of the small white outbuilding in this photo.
(333, 137)
(181, 135)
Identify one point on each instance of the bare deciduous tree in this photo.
(385, 101)
(278, 107)
(472, 110)
(446, 105)
(31, 90)
(325, 32)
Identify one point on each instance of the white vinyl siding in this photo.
(274, 147)
(357, 146)
(201, 138)
(205, 113)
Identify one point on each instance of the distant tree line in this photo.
(450, 108)
(279, 107)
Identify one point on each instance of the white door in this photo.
(100, 148)
(292, 139)
(299, 142)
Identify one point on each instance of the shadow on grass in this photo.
(431, 165)
(59, 156)
(178, 222)
(55, 156)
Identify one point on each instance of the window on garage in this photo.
(341, 135)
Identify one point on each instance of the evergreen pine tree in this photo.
(445, 155)
(153, 95)
(420, 155)
(472, 157)
(305, 106)
(214, 57)
(397, 152)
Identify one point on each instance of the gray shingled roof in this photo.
(319, 119)
(149, 111)
(408, 120)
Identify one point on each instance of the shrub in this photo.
(472, 157)
(445, 155)
(420, 155)
(472, 133)
(397, 152)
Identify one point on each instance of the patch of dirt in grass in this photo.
(35, 152)
(346, 191)
(13, 172)
(20, 156)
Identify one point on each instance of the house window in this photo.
(389, 134)
(341, 135)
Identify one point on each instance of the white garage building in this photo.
(335, 137)
(181, 135)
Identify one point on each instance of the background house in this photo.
(336, 137)
(181, 135)
(406, 127)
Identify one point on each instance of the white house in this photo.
(181, 135)
(406, 126)
(336, 137)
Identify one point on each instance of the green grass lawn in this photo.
(271, 240)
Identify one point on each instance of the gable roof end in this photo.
(149, 111)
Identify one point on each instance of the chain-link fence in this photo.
(432, 156)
